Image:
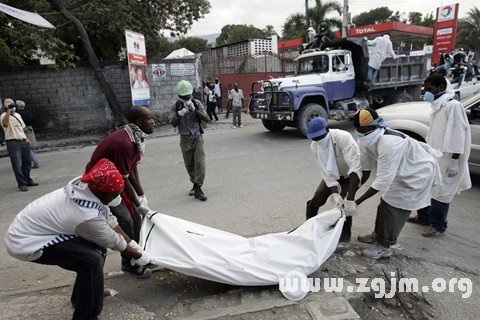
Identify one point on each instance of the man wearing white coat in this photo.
(338, 157)
(448, 132)
(406, 171)
(382, 46)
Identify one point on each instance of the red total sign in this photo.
(445, 31)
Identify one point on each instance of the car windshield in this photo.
(315, 64)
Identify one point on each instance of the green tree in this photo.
(194, 44)
(295, 25)
(468, 31)
(415, 17)
(269, 30)
(232, 33)
(374, 16)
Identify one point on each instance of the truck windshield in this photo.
(315, 64)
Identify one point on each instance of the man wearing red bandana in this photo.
(71, 227)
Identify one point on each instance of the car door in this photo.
(473, 113)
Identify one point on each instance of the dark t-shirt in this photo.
(118, 148)
(26, 116)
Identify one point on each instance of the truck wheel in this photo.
(400, 97)
(273, 125)
(307, 113)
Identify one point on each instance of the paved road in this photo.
(257, 182)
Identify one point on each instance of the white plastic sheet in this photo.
(220, 256)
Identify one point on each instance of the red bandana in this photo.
(104, 177)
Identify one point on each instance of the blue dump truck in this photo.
(331, 84)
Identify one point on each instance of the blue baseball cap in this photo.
(316, 127)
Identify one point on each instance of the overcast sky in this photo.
(274, 12)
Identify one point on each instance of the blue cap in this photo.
(316, 127)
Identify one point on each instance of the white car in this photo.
(413, 119)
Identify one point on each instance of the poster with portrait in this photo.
(137, 68)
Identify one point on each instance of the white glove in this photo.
(142, 261)
(452, 168)
(143, 201)
(143, 211)
(183, 111)
(350, 207)
(190, 106)
(336, 200)
(365, 38)
(135, 246)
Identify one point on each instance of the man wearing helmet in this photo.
(186, 114)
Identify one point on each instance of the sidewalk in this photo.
(161, 130)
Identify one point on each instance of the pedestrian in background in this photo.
(212, 103)
(236, 96)
(187, 114)
(229, 103)
(449, 132)
(18, 145)
(218, 94)
(28, 120)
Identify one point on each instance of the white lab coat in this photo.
(406, 172)
(347, 154)
(449, 132)
(383, 45)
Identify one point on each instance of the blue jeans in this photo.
(19, 152)
(435, 215)
(86, 259)
(372, 74)
(33, 157)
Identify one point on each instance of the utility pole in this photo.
(345, 19)
(306, 13)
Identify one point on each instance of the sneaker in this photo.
(137, 271)
(192, 192)
(35, 166)
(32, 184)
(418, 220)
(369, 238)
(234, 127)
(377, 252)
(23, 188)
(200, 195)
(242, 126)
(432, 232)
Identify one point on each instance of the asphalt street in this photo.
(257, 182)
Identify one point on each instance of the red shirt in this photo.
(118, 147)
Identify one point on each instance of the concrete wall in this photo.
(69, 101)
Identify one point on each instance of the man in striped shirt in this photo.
(71, 227)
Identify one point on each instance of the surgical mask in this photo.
(115, 202)
(370, 138)
(13, 109)
(428, 96)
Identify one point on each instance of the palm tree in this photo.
(468, 31)
(296, 27)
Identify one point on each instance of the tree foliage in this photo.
(232, 33)
(105, 22)
(374, 16)
(296, 26)
(468, 33)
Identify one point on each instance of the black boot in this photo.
(347, 230)
(199, 194)
(192, 192)
(311, 212)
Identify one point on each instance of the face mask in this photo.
(371, 137)
(430, 97)
(13, 109)
(115, 202)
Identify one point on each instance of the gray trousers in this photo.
(389, 223)
(193, 157)
(237, 114)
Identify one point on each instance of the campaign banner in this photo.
(138, 68)
(30, 17)
(445, 31)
